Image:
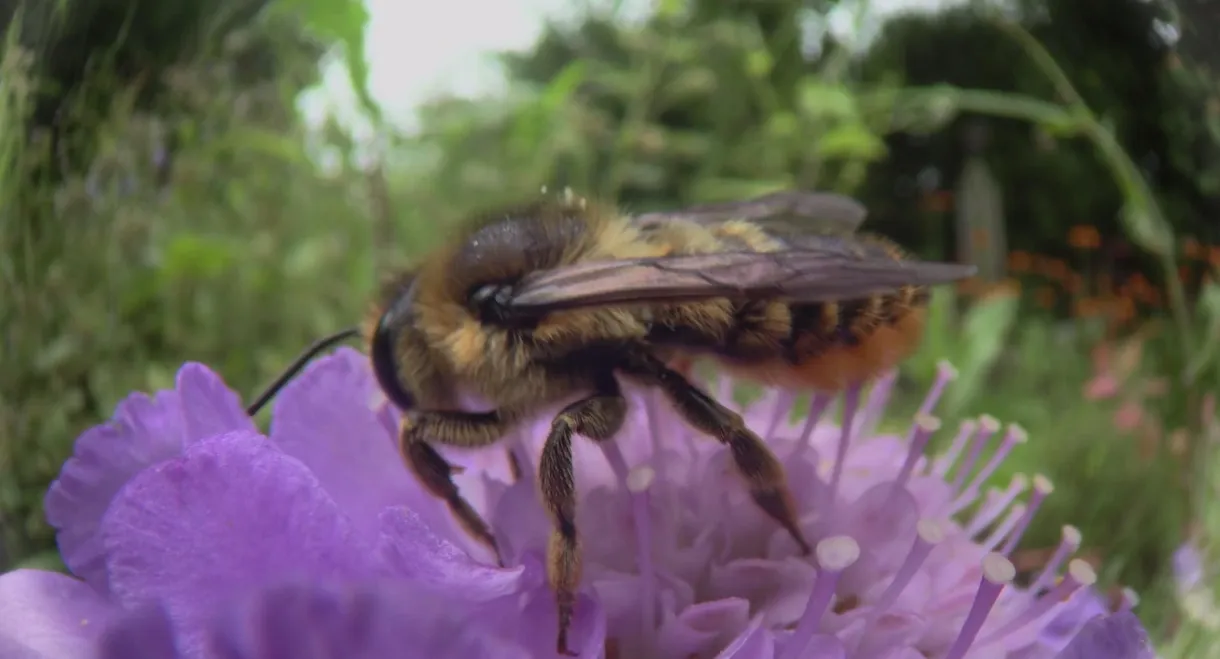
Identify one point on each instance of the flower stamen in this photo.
(1015, 435)
(1069, 543)
(784, 399)
(944, 464)
(997, 573)
(878, 398)
(834, 555)
(997, 502)
(638, 482)
(945, 373)
(817, 408)
(1010, 522)
(988, 426)
(1129, 600)
(928, 534)
(851, 402)
(1042, 489)
(921, 433)
(1079, 575)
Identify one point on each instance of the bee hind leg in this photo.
(465, 429)
(761, 469)
(598, 417)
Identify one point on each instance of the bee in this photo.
(560, 299)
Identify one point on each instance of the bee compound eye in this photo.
(491, 300)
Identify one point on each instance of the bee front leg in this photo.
(598, 417)
(464, 429)
(761, 469)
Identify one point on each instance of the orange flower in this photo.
(1019, 261)
(1191, 249)
(1084, 236)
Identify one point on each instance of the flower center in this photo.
(909, 551)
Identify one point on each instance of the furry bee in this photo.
(532, 306)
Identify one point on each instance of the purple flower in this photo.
(193, 535)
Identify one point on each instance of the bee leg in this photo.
(466, 429)
(599, 418)
(761, 469)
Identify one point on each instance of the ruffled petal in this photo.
(209, 406)
(325, 419)
(1116, 636)
(754, 643)
(409, 548)
(233, 513)
(143, 432)
(703, 627)
(383, 621)
(47, 615)
(147, 633)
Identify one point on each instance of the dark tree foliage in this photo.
(1120, 63)
(87, 52)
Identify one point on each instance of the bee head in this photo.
(393, 328)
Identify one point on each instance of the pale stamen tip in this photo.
(1081, 572)
(1131, 599)
(837, 553)
(640, 479)
(946, 369)
(968, 425)
(1020, 482)
(1017, 434)
(930, 531)
(998, 570)
(989, 423)
(927, 422)
(1072, 535)
(1043, 485)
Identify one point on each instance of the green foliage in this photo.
(973, 344)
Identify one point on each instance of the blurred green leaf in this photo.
(343, 21)
(821, 101)
(850, 141)
(985, 330)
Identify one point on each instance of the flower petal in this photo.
(534, 624)
(699, 628)
(356, 622)
(47, 615)
(143, 431)
(147, 633)
(232, 513)
(324, 419)
(1117, 636)
(1083, 606)
(411, 549)
(209, 406)
(754, 643)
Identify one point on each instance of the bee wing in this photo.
(805, 212)
(826, 270)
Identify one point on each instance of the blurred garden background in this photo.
(222, 182)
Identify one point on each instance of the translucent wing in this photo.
(790, 211)
(819, 268)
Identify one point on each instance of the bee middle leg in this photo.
(598, 417)
(761, 469)
(464, 429)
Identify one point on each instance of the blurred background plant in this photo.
(162, 199)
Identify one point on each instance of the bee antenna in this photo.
(300, 362)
